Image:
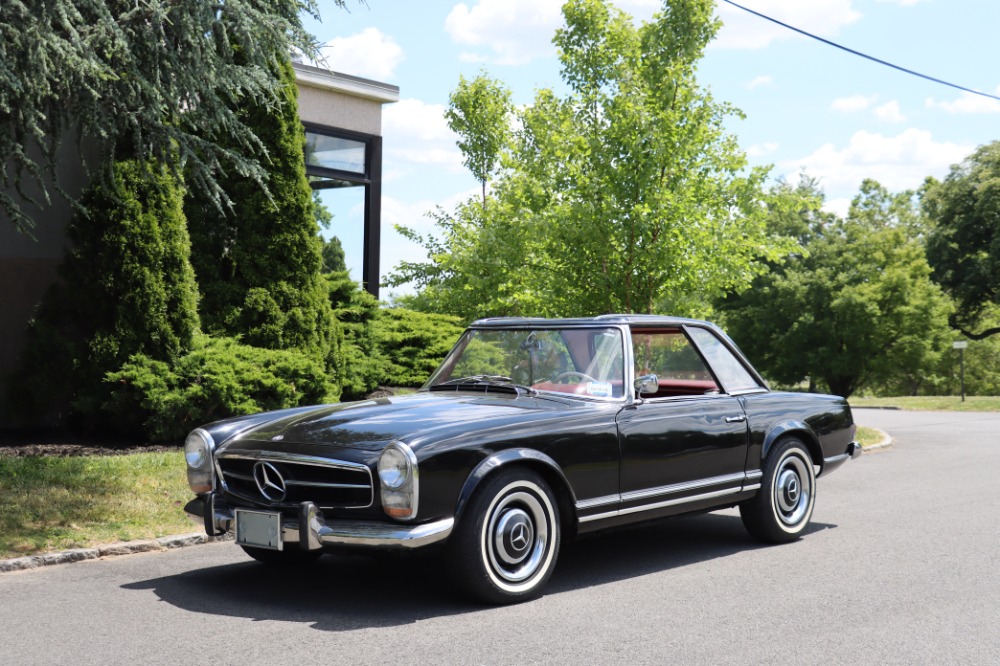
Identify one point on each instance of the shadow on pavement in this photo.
(346, 592)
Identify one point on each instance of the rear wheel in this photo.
(782, 508)
(282, 558)
(506, 544)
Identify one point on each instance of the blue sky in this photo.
(809, 107)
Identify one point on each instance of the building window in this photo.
(336, 160)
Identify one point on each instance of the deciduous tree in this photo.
(624, 194)
(859, 309)
(964, 245)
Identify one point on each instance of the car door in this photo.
(687, 442)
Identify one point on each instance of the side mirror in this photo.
(647, 384)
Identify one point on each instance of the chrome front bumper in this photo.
(854, 450)
(310, 531)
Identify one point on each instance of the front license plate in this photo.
(260, 529)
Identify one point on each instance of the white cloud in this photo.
(762, 149)
(742, 30)
(760, 81)
(838, 207)
(369, 53)
(394, 247)
(904, 3)
(899, 162)
(515, 31)
(853, 103)
(890, 113)
(416, 134)
(967, 103)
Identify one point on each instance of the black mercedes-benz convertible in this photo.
(530, 432)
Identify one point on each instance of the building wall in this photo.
(29, 265)
(334, 109)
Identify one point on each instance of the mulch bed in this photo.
(52, 443)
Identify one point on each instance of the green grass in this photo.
(868, 436)
(933, 403)
(55, 503)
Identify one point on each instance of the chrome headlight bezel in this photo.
(399, 479)
(199, 449)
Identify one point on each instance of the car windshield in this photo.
(586, 362)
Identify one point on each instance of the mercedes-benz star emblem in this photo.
(519, 536)
(269, 481)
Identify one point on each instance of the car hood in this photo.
(371, 424)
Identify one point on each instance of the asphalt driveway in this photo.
(901, 566)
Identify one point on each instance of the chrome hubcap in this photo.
(517, 536)
(793, 489)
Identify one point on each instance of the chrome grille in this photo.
(330, 484)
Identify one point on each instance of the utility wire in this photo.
(859, 53)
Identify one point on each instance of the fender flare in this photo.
(797, 428)
(493, 462)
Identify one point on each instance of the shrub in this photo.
(219, 378)
(126, 287)
(361, 361)
(258, 267)
(414, 344)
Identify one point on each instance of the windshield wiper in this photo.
(475, 381)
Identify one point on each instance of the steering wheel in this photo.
(573, 373)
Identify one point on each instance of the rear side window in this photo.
(733, 375)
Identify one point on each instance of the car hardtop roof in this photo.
(641, 319)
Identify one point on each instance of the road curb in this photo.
(884, 443)
(108, 550)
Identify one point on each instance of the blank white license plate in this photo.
(260, 529)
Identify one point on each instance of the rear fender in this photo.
(798, 429)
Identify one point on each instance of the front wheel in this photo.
(781, 510)
(507, 542)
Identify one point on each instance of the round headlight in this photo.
(196, 449)
(393, 468)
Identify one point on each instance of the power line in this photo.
(863, 55)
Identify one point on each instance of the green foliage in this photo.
(964, 245)
(361, 363)
(859, 310)
(624, 195)
(259, 268)
(126, 287)
(479, 112)
(334, 260)
(220, 377)
(414, 344)
(165, 79)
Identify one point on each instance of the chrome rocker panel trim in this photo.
(744, 481)
(317, 533)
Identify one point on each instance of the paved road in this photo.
(902, 566)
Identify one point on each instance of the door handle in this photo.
(736, 419)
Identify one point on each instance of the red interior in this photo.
(667, 388)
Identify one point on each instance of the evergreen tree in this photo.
(258, 267)
(126, 287)
(165, 78)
